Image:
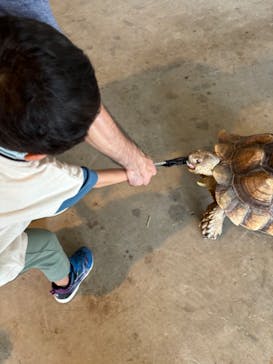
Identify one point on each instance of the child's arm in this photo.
(109, 177)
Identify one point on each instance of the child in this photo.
(49, 102)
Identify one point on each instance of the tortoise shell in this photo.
(244, 179)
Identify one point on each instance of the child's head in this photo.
(48, 90)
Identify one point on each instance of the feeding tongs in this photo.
(172, 162)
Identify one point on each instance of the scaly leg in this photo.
(212, 221)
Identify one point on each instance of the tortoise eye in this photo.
(198, 161)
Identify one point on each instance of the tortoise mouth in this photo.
(190, 165)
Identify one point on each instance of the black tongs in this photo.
(172, 162)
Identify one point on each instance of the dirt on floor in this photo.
(172, 73)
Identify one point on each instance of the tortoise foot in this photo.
(212, 222)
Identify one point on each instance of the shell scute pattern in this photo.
(245, 180)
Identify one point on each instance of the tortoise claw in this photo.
(212, 222)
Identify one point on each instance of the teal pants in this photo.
(44, 252)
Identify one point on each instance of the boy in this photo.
(49, 102)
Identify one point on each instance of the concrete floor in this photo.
(172, 72)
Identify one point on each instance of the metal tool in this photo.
(172, 162)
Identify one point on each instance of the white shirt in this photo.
(29, 191)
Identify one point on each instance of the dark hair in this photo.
(49, 94)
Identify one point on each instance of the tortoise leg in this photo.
(212, 221)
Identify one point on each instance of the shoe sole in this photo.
(68, 299)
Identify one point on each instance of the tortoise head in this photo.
(202, 162)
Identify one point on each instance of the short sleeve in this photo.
(90, 178)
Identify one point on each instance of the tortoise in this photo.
(239, 175)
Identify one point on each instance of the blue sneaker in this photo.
(81, 264)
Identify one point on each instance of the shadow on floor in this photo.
(126, 230)
(168, 111)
